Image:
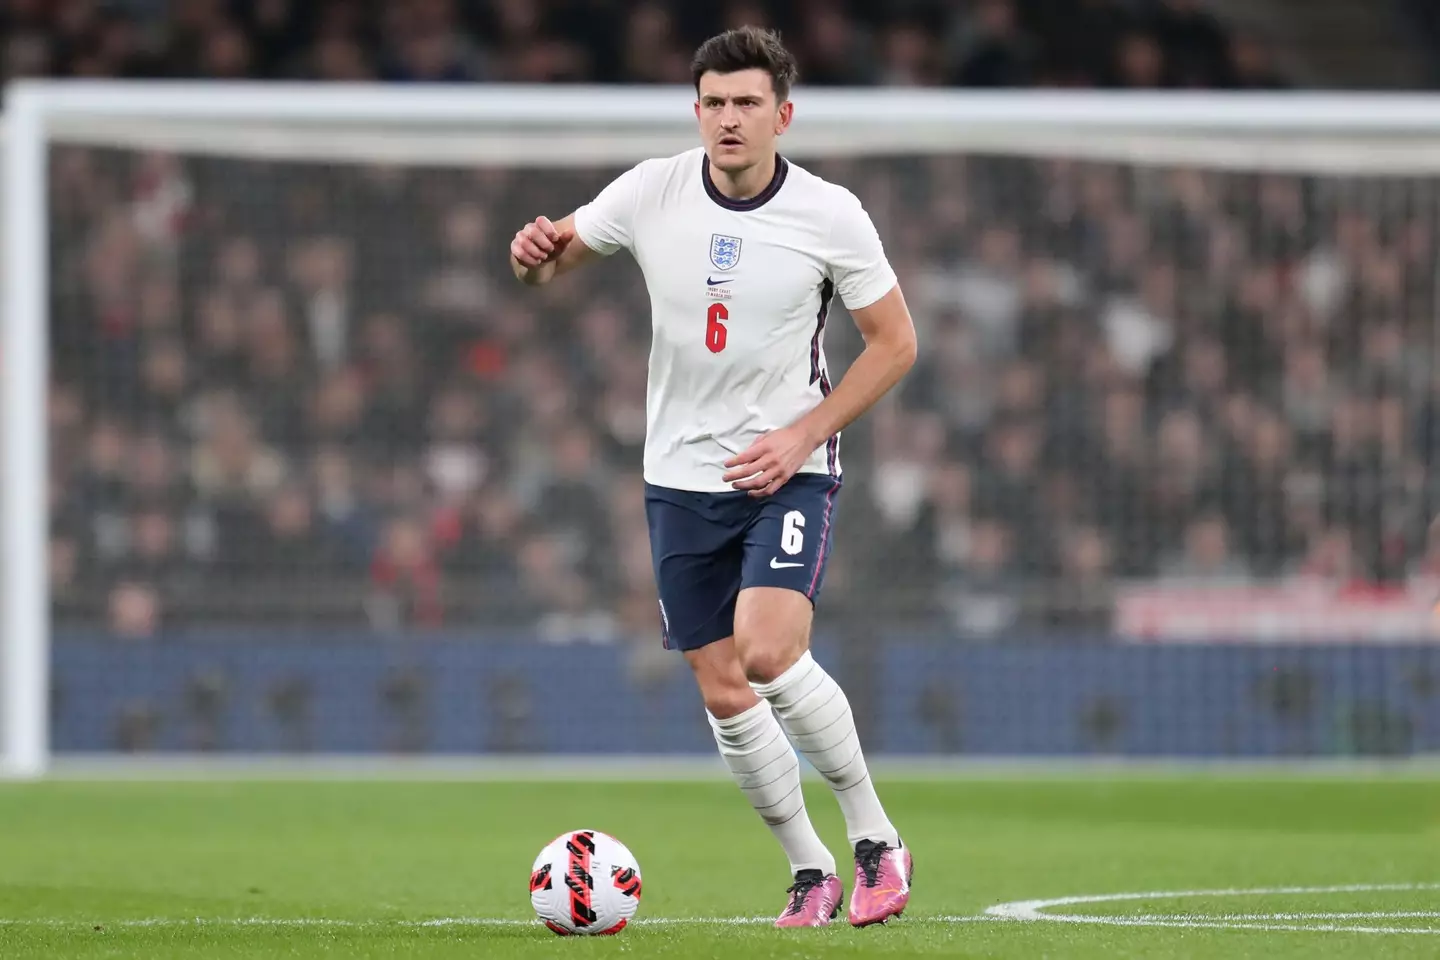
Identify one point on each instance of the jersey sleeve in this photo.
(607, 223)
(858, 266)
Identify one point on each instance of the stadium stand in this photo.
(1118, 43)
(287, 394)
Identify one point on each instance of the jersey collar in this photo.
(782, 168)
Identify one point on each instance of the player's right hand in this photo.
(539, 242)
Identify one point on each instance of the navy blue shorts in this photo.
(707, 547)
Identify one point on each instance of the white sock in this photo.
(813, 710)
(767, 771)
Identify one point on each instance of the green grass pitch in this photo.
(303, 869)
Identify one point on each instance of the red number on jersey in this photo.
(715, 332)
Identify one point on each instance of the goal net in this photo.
(293, 466)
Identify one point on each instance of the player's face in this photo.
(740, 118)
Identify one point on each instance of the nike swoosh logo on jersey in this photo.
(775, 564)
(711, 282)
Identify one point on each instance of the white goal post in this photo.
(1373, 135)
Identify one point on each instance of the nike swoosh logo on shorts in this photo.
(775, 564)
(710, 282)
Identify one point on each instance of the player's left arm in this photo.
(889, 353)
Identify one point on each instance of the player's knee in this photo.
(729, 702)
(764, 663)
(772, 631)
(721, 681)
(726, 694)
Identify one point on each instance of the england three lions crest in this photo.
(724, 251)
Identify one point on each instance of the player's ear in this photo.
(783, 117)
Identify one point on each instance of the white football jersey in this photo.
(738, 296)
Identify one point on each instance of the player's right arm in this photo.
(542, 251)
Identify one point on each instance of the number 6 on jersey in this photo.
(715, 331)
(792, 534)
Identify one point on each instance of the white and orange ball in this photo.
(585, 883)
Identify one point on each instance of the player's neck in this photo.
(744, 184)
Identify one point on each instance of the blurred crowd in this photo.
(981, 43)
(292, 393)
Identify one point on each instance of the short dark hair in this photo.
(747, 48)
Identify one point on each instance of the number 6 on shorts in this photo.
(792, 534)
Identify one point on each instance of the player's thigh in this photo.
(787, 548)
(772, 631)
(696, 549)
(722, 682)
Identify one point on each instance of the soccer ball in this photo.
(585, 883)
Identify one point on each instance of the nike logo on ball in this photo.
(712, 282)
(775, 564)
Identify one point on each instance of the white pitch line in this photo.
(1281, 917)
(1030, 909)
(1033, 910)
(329, 922)
(1221, 925)
(1020, 910)
(359, 924)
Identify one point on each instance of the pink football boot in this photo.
(882, 882)
(815, 900)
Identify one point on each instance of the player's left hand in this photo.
(766, 465)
